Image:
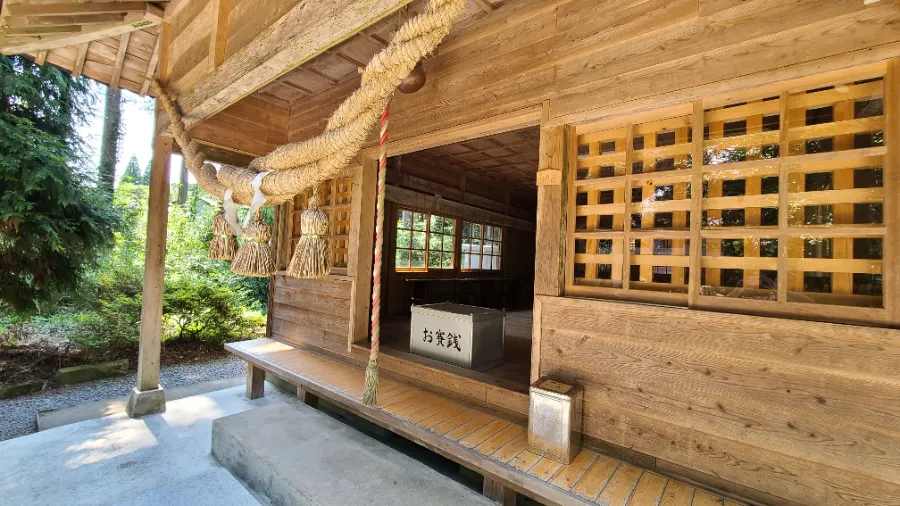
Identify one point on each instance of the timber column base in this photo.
(144, 403)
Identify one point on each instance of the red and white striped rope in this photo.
(379, 237)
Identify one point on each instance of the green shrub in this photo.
(205, 310)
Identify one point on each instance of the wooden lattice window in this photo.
(335, 202)
(423, 241)
(481, 247)
(773, 203)
(631, 188)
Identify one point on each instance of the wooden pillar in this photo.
(148, 397)
(361, 247)
(550, 240)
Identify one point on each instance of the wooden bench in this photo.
(488, 444)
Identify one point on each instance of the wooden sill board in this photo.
(476, 439)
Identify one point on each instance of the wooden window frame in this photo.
(499, 242)
(888, 314)
(426, 250)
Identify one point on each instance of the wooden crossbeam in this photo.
(135, 20)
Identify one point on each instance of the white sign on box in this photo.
(465, 336)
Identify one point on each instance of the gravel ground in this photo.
(17, 415)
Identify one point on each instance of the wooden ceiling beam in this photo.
(326, 77)
(124, 39)
(304, 32)
(42, 30)
(150, 16)
(295, 87)
(346, 58)
(80, 58)
(89, 19)
(73, 9)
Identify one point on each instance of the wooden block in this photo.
(256, 382)
(307, 397)
(497, 493)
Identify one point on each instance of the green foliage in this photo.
(203, 300)
(132, 172)
(53, 223)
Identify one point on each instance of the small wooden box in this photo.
(554, 420)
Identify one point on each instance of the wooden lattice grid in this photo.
(335, 195)
(805, 232)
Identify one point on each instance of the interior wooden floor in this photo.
(475, 438)
(516, 366)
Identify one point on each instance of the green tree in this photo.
(132, 171)
(145, 176)
(53, 222)
(109, 145)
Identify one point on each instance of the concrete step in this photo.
(294, 455)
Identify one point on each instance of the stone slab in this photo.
(158, 460)
(295, 455)
(19, 389)
(88, 372)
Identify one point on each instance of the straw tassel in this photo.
(254, 258)
(311, 259)
(224, 244)
(370, 393)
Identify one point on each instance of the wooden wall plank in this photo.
(772, 394)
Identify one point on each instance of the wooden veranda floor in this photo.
(477, 439)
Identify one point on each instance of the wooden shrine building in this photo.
(691, 208)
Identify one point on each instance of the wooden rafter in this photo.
(120, 60)
(485, 5)
(29, 39)
(217, 33)
(80, 59)
(151, 66)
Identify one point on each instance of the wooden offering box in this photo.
(465, 336)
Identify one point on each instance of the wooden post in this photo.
(497, 493)
(891, 255)
(550, 246)
(256, 382)
(148, 397)
(307, 397)
(361, 245)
